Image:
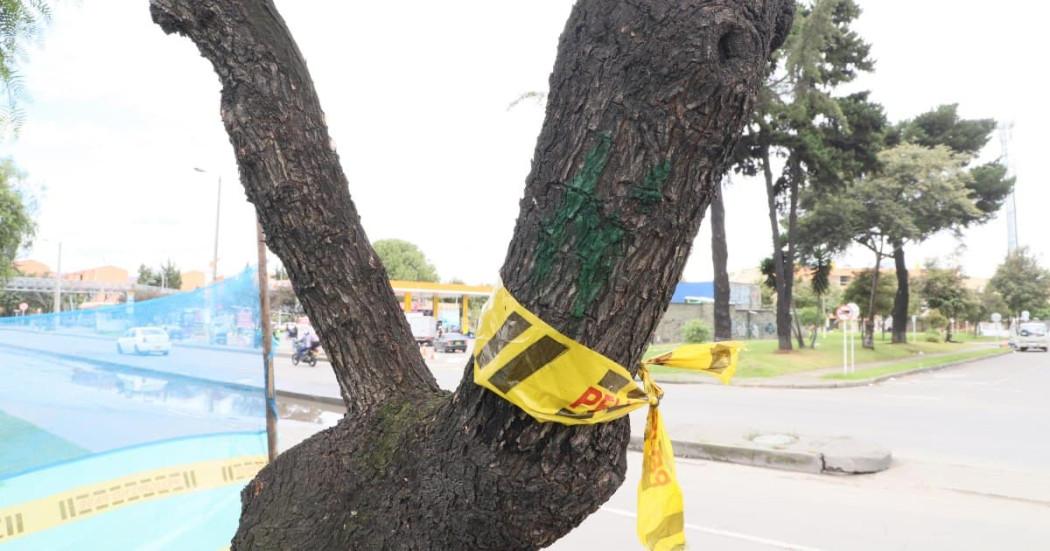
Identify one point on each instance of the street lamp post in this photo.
(218, 212)
(264, 321)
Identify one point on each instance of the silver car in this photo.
(1031, 334)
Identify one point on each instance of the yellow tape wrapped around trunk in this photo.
(553, 378)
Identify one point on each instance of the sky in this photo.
(416, 94)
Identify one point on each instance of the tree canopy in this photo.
(16, 223)
(168, 276)
(1022, 282)
(943, 290)
(404, 260)
(20, 21)
(859, 292)
(919, 191)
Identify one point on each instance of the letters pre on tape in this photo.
(553, 378)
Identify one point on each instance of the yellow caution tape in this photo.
(85, 501)
(553, 378)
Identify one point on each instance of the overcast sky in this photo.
(416, 94)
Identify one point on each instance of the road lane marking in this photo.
(724, 533)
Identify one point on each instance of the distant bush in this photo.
(936, 320)
(932, 336)
(696, 331)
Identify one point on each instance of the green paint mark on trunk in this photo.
(579, 196)
(651, 190)
(580, 228)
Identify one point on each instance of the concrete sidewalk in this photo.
(774, 450)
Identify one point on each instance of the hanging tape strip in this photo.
(555, 379)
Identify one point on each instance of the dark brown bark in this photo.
(719, 259)
(783, 288)
(868, 337)
(646, 101)
(900, 300)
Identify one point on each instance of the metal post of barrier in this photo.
(267, 344)
(57, 306)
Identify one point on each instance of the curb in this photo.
(835, 384)
(831, 461)
(311, 398)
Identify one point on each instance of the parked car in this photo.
(144, 340)
(450, 342)
(1031, 334)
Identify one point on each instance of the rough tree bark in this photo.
(783, 285)
(719, 258)
(646, 101)
(868, 335)
(900, 300)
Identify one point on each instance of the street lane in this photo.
(992, 413)
(733, 507)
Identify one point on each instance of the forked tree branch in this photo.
(292, 175)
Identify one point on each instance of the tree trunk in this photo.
(786, 316)
(783, 306)
(646, 102)
(799, 336)
(719, 258)
(900, 300)
(868, 338)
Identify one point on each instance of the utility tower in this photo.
(1006, 131)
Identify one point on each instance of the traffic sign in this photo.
(843, 313)
(23, 307)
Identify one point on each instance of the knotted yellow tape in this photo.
(553, 378)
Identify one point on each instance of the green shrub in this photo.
(696, 331)
(936, 320)
(932, 336)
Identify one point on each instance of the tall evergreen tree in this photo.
(801, 129)
(914, 186)
(988, 184)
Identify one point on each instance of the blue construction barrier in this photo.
(133, 425)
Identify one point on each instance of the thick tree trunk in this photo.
(900, 300)
(789, 256)
(719, 258)
(646, 101)
(783, 289)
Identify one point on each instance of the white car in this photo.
(1031, 334)
(144, 340)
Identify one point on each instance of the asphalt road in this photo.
(735, 508)
(213, 364)
(969, 443)
(992, 413)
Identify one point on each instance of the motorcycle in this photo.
(304, 353)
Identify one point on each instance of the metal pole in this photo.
(267, 344)
(57, 306)
(845, 349)
(853, 347)
(215, 252)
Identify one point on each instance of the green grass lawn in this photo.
(24, 445)
(916, 363)
(760, 358)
